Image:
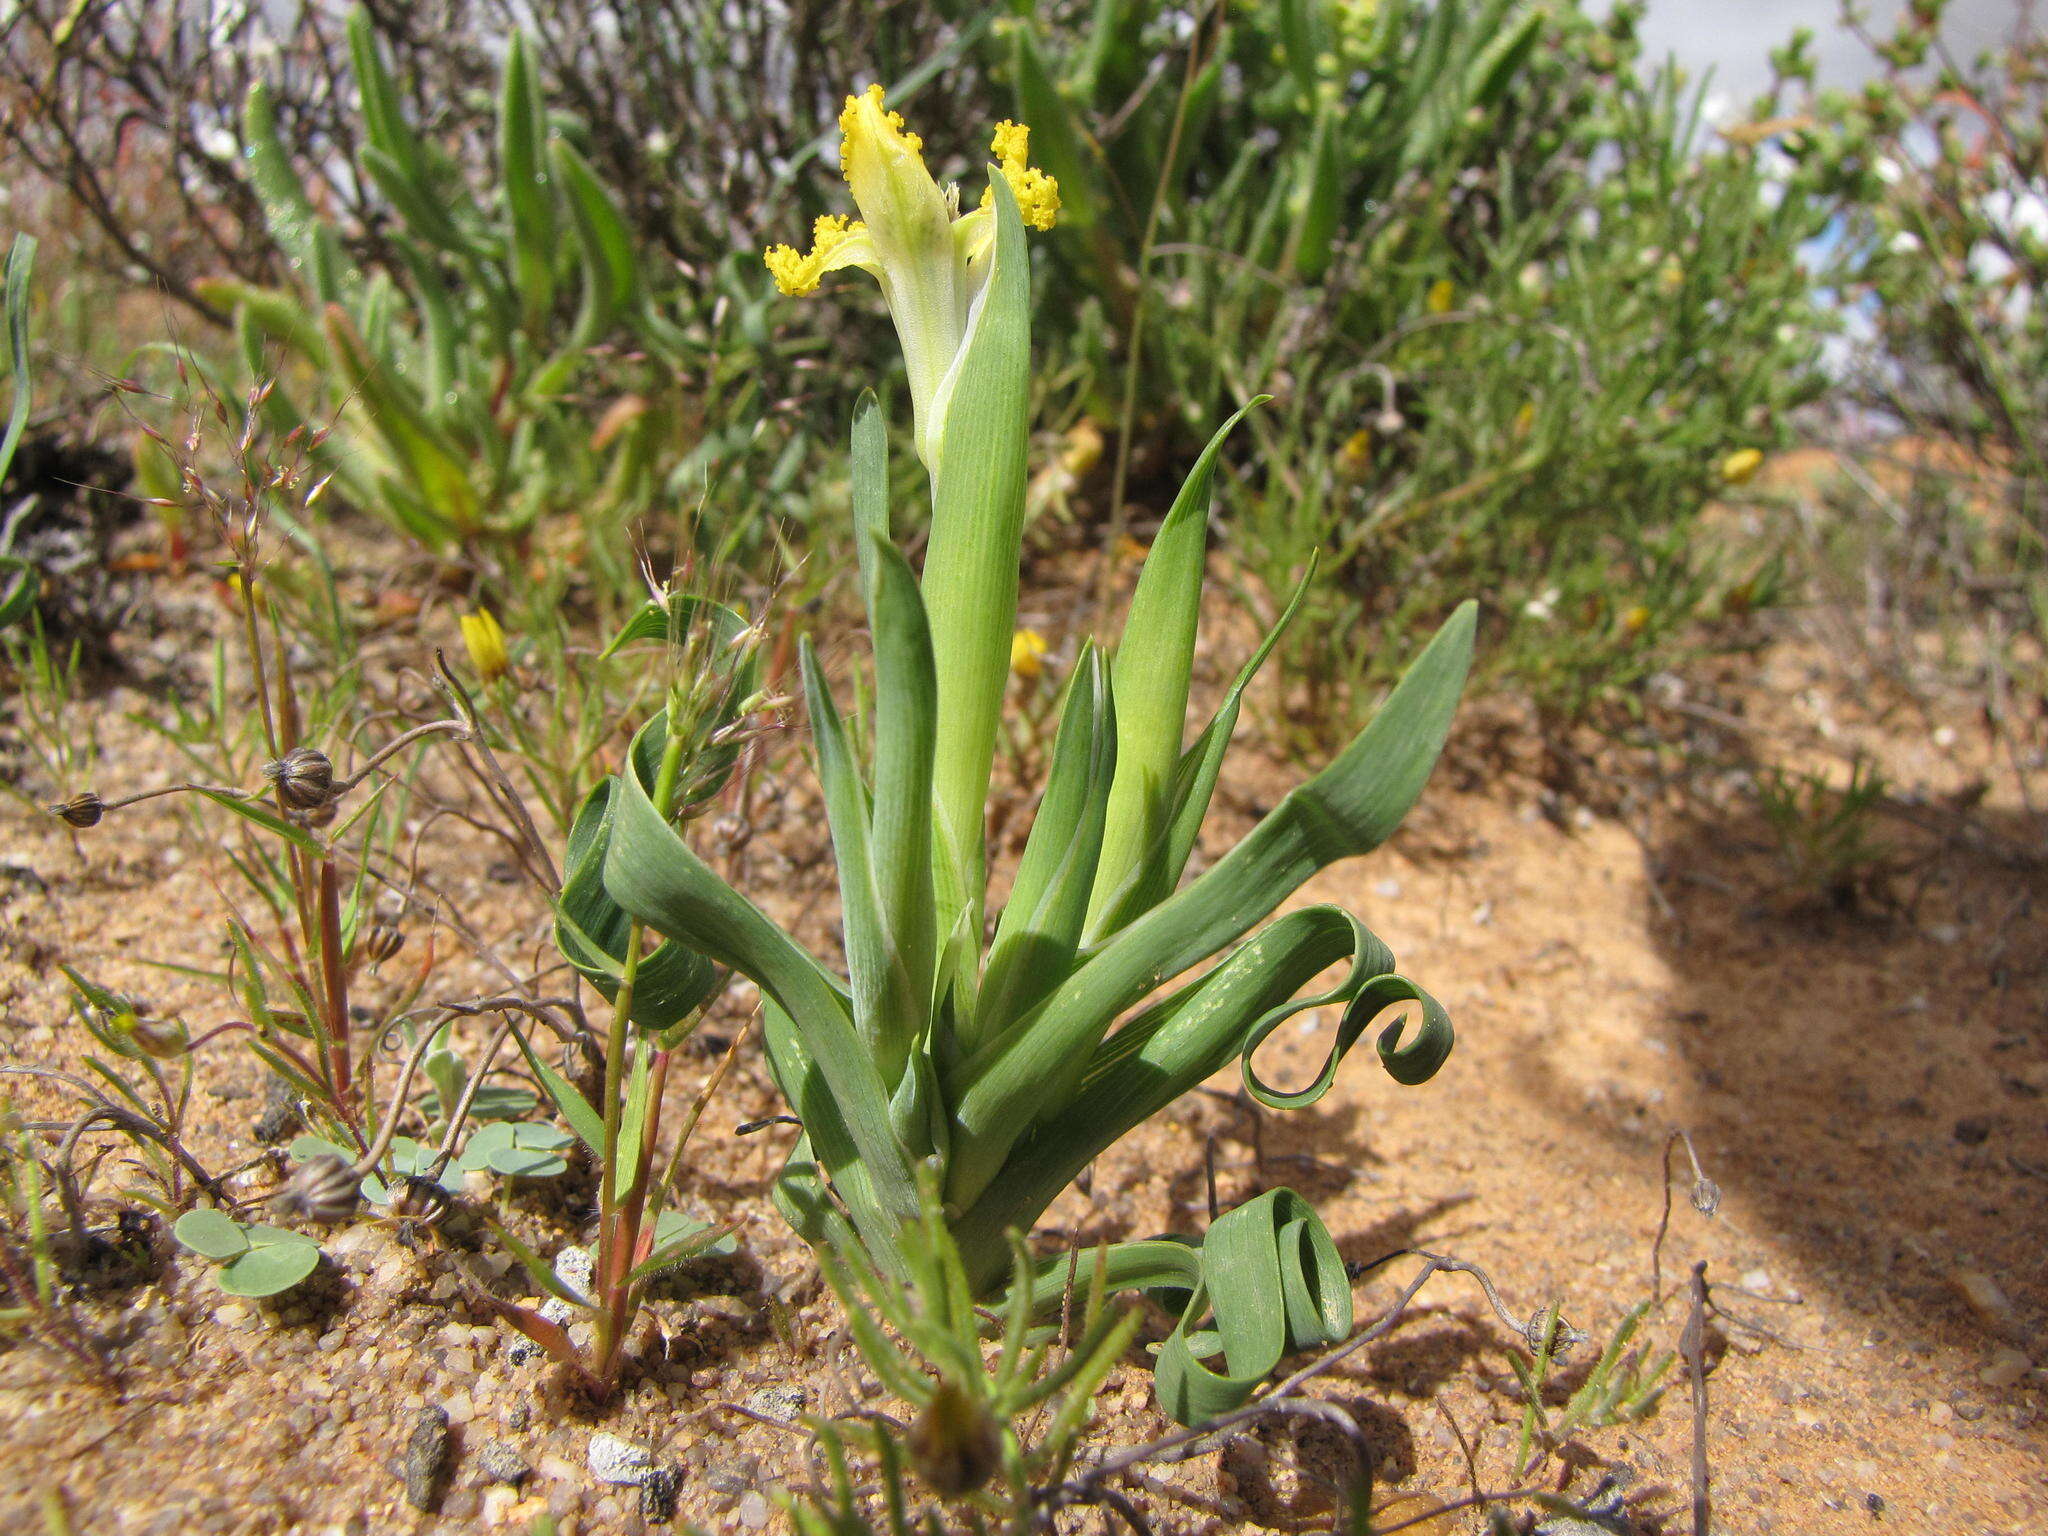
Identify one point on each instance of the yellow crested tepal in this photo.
(931, 259)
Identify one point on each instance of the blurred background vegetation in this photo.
(1531, 319)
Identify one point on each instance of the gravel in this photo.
(613, 1460)
(502, 1463)
(426, 1457)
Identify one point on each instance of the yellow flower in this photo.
(486, 642)
(1027, 653)
(1443, 293)
(1741, 464)
(1354, 459)
(1636, 620)
(1081, 449)
(931, 259)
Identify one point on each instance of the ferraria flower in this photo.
(931, 259)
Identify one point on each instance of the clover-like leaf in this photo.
(277, 1259)
(212, 1234)
(518, 1150)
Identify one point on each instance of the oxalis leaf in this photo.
(1265, 1281)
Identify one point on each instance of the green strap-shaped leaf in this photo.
(673, 981)
(846, 810)
(653, 875)
(1055, 139)
(21, 259)
(1190, 1035)
(1265, 1281)
(1153, 661)
(309, 245)
(611, 269)
(1040, 929)
(870, 462)
(1349, 808)
(906, 724)
(435, 470)
(522, 171)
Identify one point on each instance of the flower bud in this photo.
(323, 1189)
(954, 1444)
(304, 778)
(484, 638)
(419, 1200)
(81, 810)
(380, 941)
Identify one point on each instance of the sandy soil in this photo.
(1864, 1086)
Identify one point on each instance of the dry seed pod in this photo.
(380, 941)
(324, 1189)
(81, 810)
(420, 1201)
(954, 1444)
(304, 778)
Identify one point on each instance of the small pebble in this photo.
(781, 1401)
(502, 1463)
(658, 1493)
(754, 1511)
(575, 1268)
(426, 1455)
(613, 1460)
(2007, 1366)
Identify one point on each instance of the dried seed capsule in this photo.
(954, 1444)
(380, 941)
(81, 810)
(419, 1200)
(304, 778)
(323, 1189)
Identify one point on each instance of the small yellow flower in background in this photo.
(1354, 459)
(1443, 293)
(1670, 279)
(931, 259)
(1525, 418)
(1741, 464)
(1128, 548)
(485, 640)
(1636, 620)
(1027, 653)
(1081, 450)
